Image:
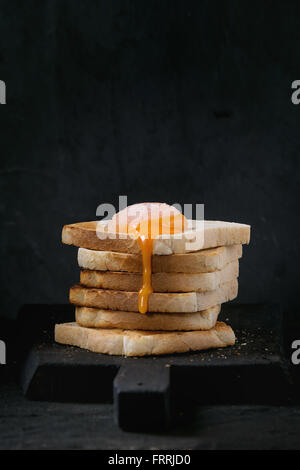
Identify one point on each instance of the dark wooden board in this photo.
(145, 390)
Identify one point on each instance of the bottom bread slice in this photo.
(99, 318)
(143, 343)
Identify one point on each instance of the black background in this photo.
(171, 100)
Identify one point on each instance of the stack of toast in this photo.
(189, 287)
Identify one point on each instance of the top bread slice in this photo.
(200, 235)
(203, 261)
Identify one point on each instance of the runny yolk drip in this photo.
(147, 221)
(146, 245)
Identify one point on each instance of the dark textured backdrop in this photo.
(176, 101)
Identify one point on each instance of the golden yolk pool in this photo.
(147, 221)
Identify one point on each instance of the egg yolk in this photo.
(147, 221)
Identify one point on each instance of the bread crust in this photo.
(99, 318)
(94, 235)
(143, 343)
(209, 260)
(161, 282)
(158, 302)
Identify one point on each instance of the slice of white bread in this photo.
(98, 318)
(143, 343)
(161, 282)
(158, 303)
(201, 261)
(201, 234)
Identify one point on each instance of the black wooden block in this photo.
(254, 371)
(141, 397)
(45, 377)
(52, 372)
(35, 325)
